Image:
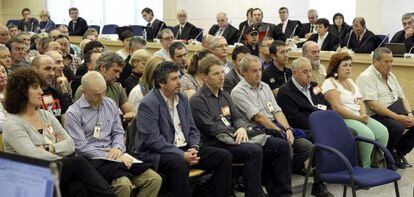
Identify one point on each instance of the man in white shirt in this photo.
(166, 38)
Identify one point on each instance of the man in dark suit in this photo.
(287, 25)
(309, 28)
(266, 29)
(77, 26)
(184, 30)
(406, 35)
(246, 24)
(154, 25)
(326, 41)
(223, 28)
(361, 40)
(168, 138)
(232, 78)
(298, 98)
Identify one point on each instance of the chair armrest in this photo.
(338, 154)
(387, 153)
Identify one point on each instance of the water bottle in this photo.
(144, 34)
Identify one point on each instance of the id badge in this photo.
(224, 120)
(321, 107)
(270, 106)
(225, 110)
(97, 132)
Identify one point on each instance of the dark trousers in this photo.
(277, 167)
(79, 178)
(212, 159)
(402, 142)
(251, 156)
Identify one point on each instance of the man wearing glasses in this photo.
(166, 37)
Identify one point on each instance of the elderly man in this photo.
(5, 57)
(154, 25)
(360, 40)
(276, 74)
(256, 102)
(4, 34)
(289, 27)
(28, 23)
(311, 51)
(53, 100)
(222, 125)
(166, 38)
(264, 53)
(110, 65)
(232, 78)
(298, 98)
(219, 47)
(178, 54)
(325, 40)
(267, 29)
(406, 35)
(206, 42)
(95, 126)
(225, 29)
(184, 30)
(17, 53)
(168, 137)
(77, 26)
(309, 28)
(387, 103)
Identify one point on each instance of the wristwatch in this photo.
(47, 147)
(289, 128)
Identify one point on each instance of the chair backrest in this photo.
(137, 29)
(109, 29)
(96, 27)
(328, 128)
(14, 22)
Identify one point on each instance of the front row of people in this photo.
(211, 131)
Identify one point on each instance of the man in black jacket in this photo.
(154, 25)
(225, 29)
(77, 26)
(326, 41)
(184, 30)
(360, 40)
(287, 25)
(406, 35)
(266, 29)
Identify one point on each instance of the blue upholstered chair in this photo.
(96, 27)
(335, 155)
(109, 29)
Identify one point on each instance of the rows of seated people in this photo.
(72, 104)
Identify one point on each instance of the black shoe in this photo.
(398, 161)
(405, 162)
(320, 190)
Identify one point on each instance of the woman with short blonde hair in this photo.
(46, 24)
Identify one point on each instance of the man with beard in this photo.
(53, 100)
(311, 51)
(269, 30)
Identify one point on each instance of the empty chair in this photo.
(109, 29)
(199, 34)
(96, 27)
(382, 39)
(335, 155)
(14, 22)
(137, 29)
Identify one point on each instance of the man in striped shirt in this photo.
(95, 126)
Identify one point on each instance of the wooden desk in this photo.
(402, 68)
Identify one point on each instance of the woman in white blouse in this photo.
(344, 97)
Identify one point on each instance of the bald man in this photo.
(53, 99)
(4, 34)
(224, 28)
(184, 30)
(94, 123)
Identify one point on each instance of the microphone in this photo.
(383, 40)
(409, 52)
(241, 33)
(409, 55)
(293, 32)
(55, 172)
(267, 31)
(162, 25)
(350, 34)
(199, 34)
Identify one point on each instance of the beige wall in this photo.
(10, 9)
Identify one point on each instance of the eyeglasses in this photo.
(169, 38)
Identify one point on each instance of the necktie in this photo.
(149, 25)
(179, 32)
(220, 32)
(311, 29)
(74, 24)
(357, 41)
